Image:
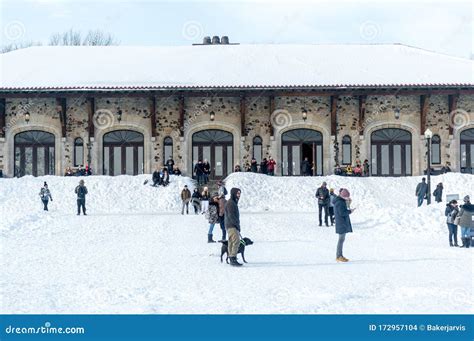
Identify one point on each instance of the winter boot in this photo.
(468, 242)
(233, 261)
(209, 239)
(463, 241)
(451, 244)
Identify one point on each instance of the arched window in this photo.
(257, 148)
(167, 148)
(467, 151)
(78, 152)
(435, 149)
(346, 150)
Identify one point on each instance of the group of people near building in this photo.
(80, 190)
(460, 216)
(360, 169)
(79, 171)
(267, 167)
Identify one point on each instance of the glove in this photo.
(51, 199)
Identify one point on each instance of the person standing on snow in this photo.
(305, 167)
(322, 194)
(332, 197)
(421, 191)
(170, 164)
(438, 192)
(451, 212)
(205, 197)
(232, 225)
(185, 198)
(45, 195)
(465, 217)
(343, 222)
(222, 192)
(271, 164)
(196, 201)
(81, 192)
(212, 215)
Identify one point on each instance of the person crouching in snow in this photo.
(212, 215)
(343, 221)
(232, 225)
(451, 212)
(81, 192)
(205, 200)
(45, 195)
(465, 217)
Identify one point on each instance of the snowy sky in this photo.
(443, 26)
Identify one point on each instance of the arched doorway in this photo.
(34, 153)
(298, 144)
(467, 151)
(391, 152)
(123, 153)
(217, 147)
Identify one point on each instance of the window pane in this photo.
(463, 155)
(141, 166)
(408, 159)
(296, 160)
(28, 161)
(195, 155)
(385, 160)
(78, 155)
(168, 153)
(129, 164)
(435, 153)
(230, 160)
(257, 153)
(346, 154)
(397, 159)
(117, 160)
(206, 153)
(106, 161)
(472, 155)
(17, 160)
(374, 160)
(319, 160)
(40, 161)
(284, 166)
(219, 162)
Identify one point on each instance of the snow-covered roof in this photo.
(230, 66)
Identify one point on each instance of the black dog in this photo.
(243, 243)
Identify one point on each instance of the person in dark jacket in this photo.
(263, 166)
(81, 192)
(206, 167)
(421, 191)
(222, 192)
(343, 221)
(322, 194)
(438, 192)
(305, 167)
(196, 201)
(156, 177)
(170, 164)
(232, 225)
(466, 222)
(212, 215)
(45, 195)
(199, 172)
(165, 178)
(451, 212)
(185, 198)
(366, 168)
(253, 166)
(332, 197)
(176, 170)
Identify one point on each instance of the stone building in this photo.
(126, 110)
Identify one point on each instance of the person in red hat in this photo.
(343, 221)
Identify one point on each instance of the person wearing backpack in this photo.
(451, 212)
(212, 215)
(81, 192)
(45, 195)
(464, 219)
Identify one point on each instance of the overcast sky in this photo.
(445, 26)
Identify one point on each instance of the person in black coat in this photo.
(199, 172)
(306, 167)
(206, 167)
(253, 166)
(196, 201)
(170, 164)
(232, 225)
(322, 194)
(438, 192)
(156, 177)
(165, 178)
(263, 166)
(343, 221)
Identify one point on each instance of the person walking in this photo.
(232, 225)
(421, 191)
(196, 201)
(222, 192)
(45, 195)
(343, 222)
(199, 171)
(206, 171)
(212, 215)
(332, 197)
(451, 212)
(322, 194)
(464, 219)
(81, 192)
(205, 197)
(185, 198)
(438, 192)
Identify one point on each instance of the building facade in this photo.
(134, 130)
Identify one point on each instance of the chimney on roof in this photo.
(216, 40)
(206, 41)
(225, 40)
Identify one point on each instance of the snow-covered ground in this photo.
(134, 252)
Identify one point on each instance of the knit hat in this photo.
(45, 184)
(81, 182)
(344, 193)
(467, 198)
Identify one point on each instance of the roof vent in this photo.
(206, 40)
(225, 40)
(216, 40)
